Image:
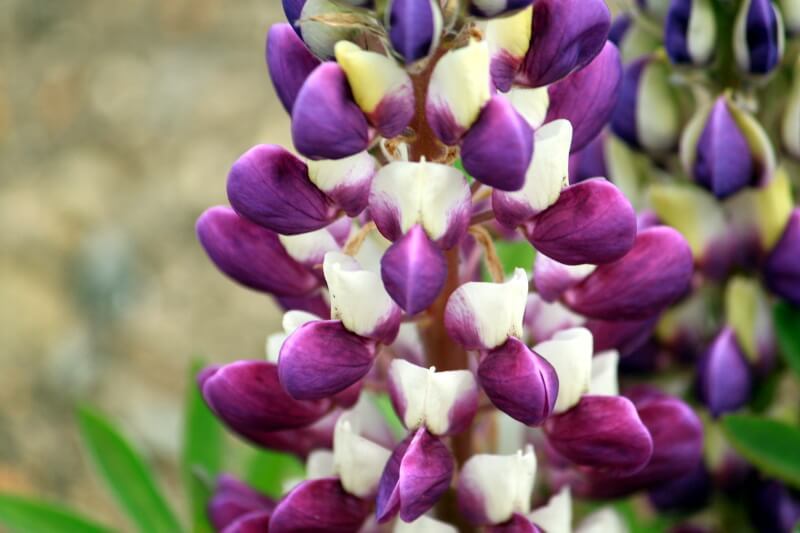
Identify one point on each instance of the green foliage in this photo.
(787, 329)
(203, 447)
(267, 471)
(771, 446)
(515, 254)
(127, 475)
(21, 515)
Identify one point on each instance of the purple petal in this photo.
(270, 186)
(319, 505)
(326, 122)
(491, 8)
(623, 120)
(590, 162)
(517, 524)
(248, 397)
(619, 28)
(314, 304)
(252, 255)
(552, 278)
(293, 9)
(685, 493)
(591, 222)
(414, 27)
(233, 499)
(289, 63)
(653, 275)
(322, 358)
(782, 269)
(775, 507)
(519, 382)
(762, 37)
(676, 31)
(414, 271)
(625, 336)
(300, 442)
(587, 98)
(568, 34)
(724, 377)
(417, 474)
(255, 522)
(723, 164)
(604, 433)
(498, 148)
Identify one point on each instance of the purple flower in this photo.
(233, 500)
(781, 269)
(690, 32)
(414, 27)
(724, 377)
(758, 37)
(319, 505)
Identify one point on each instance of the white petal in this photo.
(372, 76)
(273, 347)
(511, 435)
(358, 462)
(556, 516)
(358, 297)
(532, 104)
(604, 374)
(319, 464)
(311, 247)
(328, 174)
(371, 251)
(504, 481)
(510, 35)
(570, 353)
(292, 320)
(461, 82)
(408, 344)
(691, 210)
(423, 524)
(702, 32)
(604, 520)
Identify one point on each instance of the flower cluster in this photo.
(426, 131)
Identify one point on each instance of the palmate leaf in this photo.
(21, 515)
(126, 474)
(771, 446)
(203, 447)
(787, 329)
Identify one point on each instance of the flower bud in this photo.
(749, 313)
(289, 63)
(443, 402)
(418, 473)
(492, 488)
(724, 377)
(382, 89)
(234, 499)
(519, 382)
(319, 505)
(634, 38)
(319, 35)
(790, 10)
(414, 27)
(458, 90)
(782, 270)
(648, 114)
(251, 255)
(434, 196)
(758, 37)
(690, 32)
(570, 354)
(482, 316)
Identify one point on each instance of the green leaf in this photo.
(268, 470)
(126, 474)
(773, 447)
(29, 516)
(515, 254)
(787, 329)
(203, 447)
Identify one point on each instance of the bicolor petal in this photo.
(443, 402)
(271, 187)
(251, 255)
(519, 382)
(323, 358)
(345, 181)
(604, 433)
(417, 475)
(498, 148)
(319, 505)
(544, 179)
(414, 27)
(382, 89)
(782, 270)
(758, 37)
(587, 98)
(724, 379)
(552, 278)
(458, 90)
(690, 32)
(357, 461)
(492, 488)
(359, 299)
(482, 316)
(326, 122)
(289, 63)
(568, 35)
(233, 499)
(414, 271)
(570, 354)
(309, 248)
(591, 222)
(435, 196)
(248, 397)
(509, 39)
(654, 274)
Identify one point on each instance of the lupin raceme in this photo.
(425, 133)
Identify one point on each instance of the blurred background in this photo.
(118, 123)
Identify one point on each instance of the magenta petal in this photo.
(289, 62)
(247, 396)
(604, 433)
(322, 358)
(326, 122)
(592, 222)
(653, 275)
(319, 505)
(255, 522)
(567, 35)
(299, 442)
(252, 255)
(270, 186)
(498, 148)
(417, 474)
(233, 499)
(625, 336)
(587, 97)
(413, 271)
(517, 524)
(519, 382)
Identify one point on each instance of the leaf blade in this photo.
(21, 514)
(126, 474)
(787, 329)
(772, 446)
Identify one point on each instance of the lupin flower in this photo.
(724, 379)
(414, 27)
(289, 62)
(690, 32)
(758, 37)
